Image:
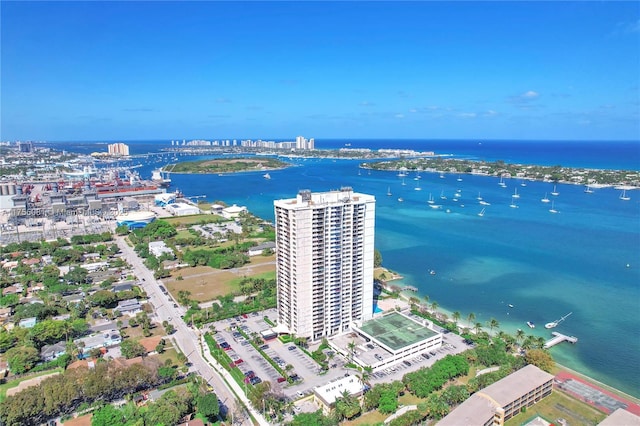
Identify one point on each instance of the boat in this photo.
(417, 188)
(545, 199)
(266, 176)
(435, 206)
(555, 193)
(513, 204)
(555, 323)
(510, 305)
(624, 196)
(459, 179)
(588, 190)
(389, 191)
(501, 183)
(400, 199)
(552, 209)
(531, 324)
(479, 198)
(159, 179)
(515, 193)
(485, 203)
(403, 184)
(441, 175)
(432, 272)
(442, 196)
(481, 212)
(430, 200)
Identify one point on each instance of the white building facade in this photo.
(324, 267)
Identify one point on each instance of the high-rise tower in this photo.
(324, 269)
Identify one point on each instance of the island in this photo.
(624, 179)
(229, 165)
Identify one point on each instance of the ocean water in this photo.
(544, 264)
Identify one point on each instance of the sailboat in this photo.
(441, 175)
(442, 196)
(479, 198)
(552, 209)
(459, 179)
(481, 212)
(545, 199)
(513, 204)
(555, 193)
(515, 193)
(624, 196)
(555, 323)
(430, 200)
(501, 183)
(403, 184)
(417, 188)
(588, 190)
(389, 191)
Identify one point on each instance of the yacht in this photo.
(552, 209)
(266, 176)
(515, 193)
(555, 193)
(485, 203)
(430, 200)
(624, 196)
(481, 212)
(555, 323)
(513, 204)
(531, 324)
(501, 183)
(545, 199)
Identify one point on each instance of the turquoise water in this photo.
(546, 265)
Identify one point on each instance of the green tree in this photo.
(377, 258)
(22, 358)
(131, 349)
(456, 318)
(107, 416)
(541, 359)
(208, 406)
(493, 323)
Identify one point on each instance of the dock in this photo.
(559, 338)
(409, 288)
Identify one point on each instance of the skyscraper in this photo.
(324, 269)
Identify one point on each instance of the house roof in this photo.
(150, 343)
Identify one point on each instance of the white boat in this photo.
(389, 191)
(442, 197)
(588, 190)
(417, 188)
(459, 179)
(435, 206)
(501, 183)
(552, 209)
(515, 193)
(545, 199)
(510, 305)
(432, 272)
(400, 199)
(555, 323)
(513, 204)
(266, 176)
(159, 178)
(531, 324)
(479, 198)
(441, 175)
(624, 196)
(481, 212)
(555, 193)
(485, 203)
(430, 200)
(403, 184)
(458, 194)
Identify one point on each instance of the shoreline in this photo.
(406, 296)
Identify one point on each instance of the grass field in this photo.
(559, 405)
(207, 284)
(194, 219)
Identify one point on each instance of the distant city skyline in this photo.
(274, 70)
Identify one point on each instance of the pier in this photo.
(559, 338)
(409, 288)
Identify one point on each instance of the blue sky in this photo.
(432, 70)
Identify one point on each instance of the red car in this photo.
(238, 361)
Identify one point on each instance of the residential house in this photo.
(53, 352)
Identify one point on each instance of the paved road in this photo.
(185, 338)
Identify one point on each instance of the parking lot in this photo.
(257, 368)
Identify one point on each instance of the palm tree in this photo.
(493, 323)
(365, 375)
(477, 328)
(471, 318)
(434, 306)
(520, 335)
(352, 349)
(456, 317)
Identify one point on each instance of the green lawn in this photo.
(559, 405)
